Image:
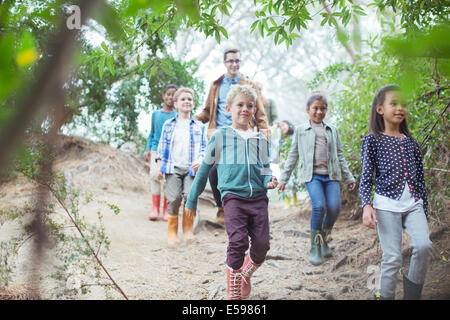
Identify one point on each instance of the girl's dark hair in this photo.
(171, 86)
(290, 131)
(376, 125)
(314, 97)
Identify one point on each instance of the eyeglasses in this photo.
(231, 61)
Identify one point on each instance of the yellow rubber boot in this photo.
(188, 224)
(172, 229)
(287, 202)
(295, 199)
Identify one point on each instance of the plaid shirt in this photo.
(197, 144)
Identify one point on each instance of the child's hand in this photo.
(281, 187)
(147, 155)
(158, 165)
(196, 164)
(190, 212)
(351, 186)
(369, 217)
(273, 183)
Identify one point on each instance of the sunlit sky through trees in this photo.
(283, 72)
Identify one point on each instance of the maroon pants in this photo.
(244, 218)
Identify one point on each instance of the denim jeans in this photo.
(389, 227)
(325, 197)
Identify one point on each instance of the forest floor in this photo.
(146, 268)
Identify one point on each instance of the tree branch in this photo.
(434, 126)
(345, 44)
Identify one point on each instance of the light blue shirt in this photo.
(223, 117)
(158, 119)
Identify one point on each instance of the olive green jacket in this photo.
(302, 149)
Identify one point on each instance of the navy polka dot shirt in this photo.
(389, 162)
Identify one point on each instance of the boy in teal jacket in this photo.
(242, 158)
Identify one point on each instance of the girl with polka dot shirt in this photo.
(392, 161)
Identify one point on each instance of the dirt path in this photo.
(147, 268)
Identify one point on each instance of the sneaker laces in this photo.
(248, 270)
(235, 290)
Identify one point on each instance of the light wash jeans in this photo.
(389, 227)
(325, 197)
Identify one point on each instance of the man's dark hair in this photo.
(232, 50)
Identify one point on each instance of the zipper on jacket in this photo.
(248, 168)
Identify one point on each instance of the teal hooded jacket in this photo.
(243, 166)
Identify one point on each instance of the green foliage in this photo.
(8, 252)
(282, 19)
(115, 80)
(72, 236)
(416, 15)
(293, 185)
(207, 21)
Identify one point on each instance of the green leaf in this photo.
(101, 66)
(27, 41)
(152, 72)
(189, 8)
(261, 28)
(223, 31)
(8, 76)
(291, 26)
(158, 6)
(217, 36)
(27, 53)
(277, 35)
(145, 65)
(110, 63)
(166, 67)
(86, 59)
(104, 46)
(253, 26)
(110, 19)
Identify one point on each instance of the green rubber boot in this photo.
(315, 256)
(324, 249)
(411, 290)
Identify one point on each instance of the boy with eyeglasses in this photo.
(215, 112)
